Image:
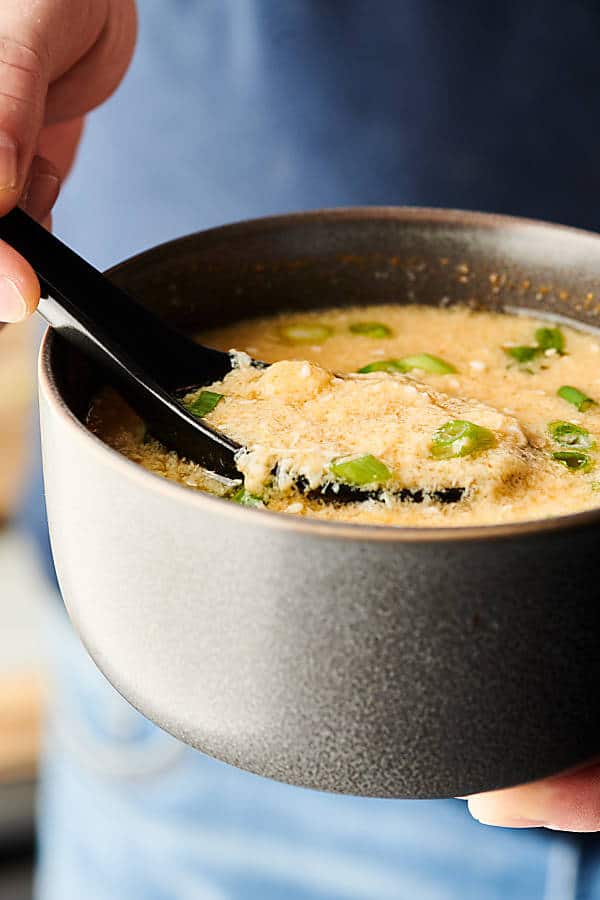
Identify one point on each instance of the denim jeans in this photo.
(237, 108)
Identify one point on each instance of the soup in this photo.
(395, 415)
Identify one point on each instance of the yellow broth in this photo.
(497, 372)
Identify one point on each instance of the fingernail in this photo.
(41, 195)
(491, 814)
(519, 822)
(9, 163)
(12, 305)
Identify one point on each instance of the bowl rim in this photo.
(311, 527)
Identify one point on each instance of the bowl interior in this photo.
(348, 257)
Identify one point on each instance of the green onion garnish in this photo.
(424, 361)
(550, 339)
(570, 435)
(306, 333)
(576, 397)
(384, 365)
(546, 339)
(522, 354)
(244, 498)
(428, 363)
(204, 403)
(595, 485)
(460, 438)
(574, 460)
(360, 471)
(371, 329)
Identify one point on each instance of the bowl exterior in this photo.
(345, 659)
(377, 668)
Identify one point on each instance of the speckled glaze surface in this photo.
(373, 661)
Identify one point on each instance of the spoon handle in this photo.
(100, 317)
(149, 360)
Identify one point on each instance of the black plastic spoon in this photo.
(152, 363)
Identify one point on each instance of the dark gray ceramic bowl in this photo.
(376, 661)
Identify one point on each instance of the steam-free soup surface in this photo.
(402, 415)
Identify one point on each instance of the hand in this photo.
(567, 802)
(58, 60)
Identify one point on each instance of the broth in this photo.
(458, 417)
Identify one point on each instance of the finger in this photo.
(19, 287)
(569, 802)
(42, 44)
(99, 72)
(41, 190)
(22, 92)
(59, 143)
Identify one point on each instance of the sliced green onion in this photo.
(428, 363)
(523, 354)
(546, 339)
(204, 403)
(371, 329)
(360, 471)
(244, 498)
(460, 438)
(384, 365)
(570, 435)
(550, 339)
(576, 397)
(306, 333)
(595, 485)
(574, 460)
(424, 361)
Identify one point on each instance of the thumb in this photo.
(566, 802)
